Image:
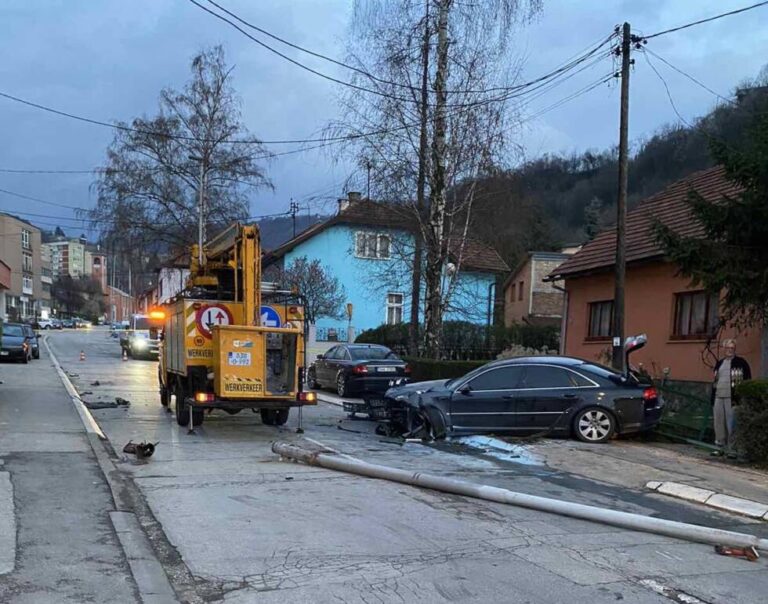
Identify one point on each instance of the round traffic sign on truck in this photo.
(209, 315)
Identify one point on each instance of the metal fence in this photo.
(687, 411)
(331, 334)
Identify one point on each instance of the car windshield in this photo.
(15, 331)
(372, 353)
(142, 323)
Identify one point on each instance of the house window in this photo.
(520, 290)
(394, 309)
(695, 315)
(26, 263)
(26, 238)
(26, 285)
(512, 293)
(371, 245)
(600, 319)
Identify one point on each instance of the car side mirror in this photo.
(466, 389)
(320, 357)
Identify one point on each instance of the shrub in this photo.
(430, 369)
(751, 430)
(391, 336)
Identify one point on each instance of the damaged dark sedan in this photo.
(548, 395)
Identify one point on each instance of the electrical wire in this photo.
(707, 20)
(690, 77)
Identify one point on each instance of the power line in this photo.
(354, 86)
(707, 20)
(687, 75)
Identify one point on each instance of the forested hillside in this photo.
(557, 200)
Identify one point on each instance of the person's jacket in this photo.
(740, 372)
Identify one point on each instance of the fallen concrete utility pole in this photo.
(635, 522)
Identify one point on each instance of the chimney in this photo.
(352, 197)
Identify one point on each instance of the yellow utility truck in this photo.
(229, 341)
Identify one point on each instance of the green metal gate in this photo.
(687, 412)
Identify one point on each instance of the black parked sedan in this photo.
(551, 395)
(357, 369)
(15, 343)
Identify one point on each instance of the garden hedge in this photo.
(751, 429)
(430, 369)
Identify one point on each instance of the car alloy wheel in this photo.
(594, 425)
(312, 379)
(341, 385)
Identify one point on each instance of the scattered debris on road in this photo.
(118, 402)
(96, 383)
(750, 553)
(140, 450)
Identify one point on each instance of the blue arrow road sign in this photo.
(269, 317)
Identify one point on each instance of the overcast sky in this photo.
(107, 59)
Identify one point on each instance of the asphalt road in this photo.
(248, 527)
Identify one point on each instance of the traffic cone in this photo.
(82, 355)
(125, 354)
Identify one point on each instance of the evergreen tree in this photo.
(732, 255)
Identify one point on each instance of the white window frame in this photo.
(363, 250)
(26, 262)
(27, 285)
(26, 239)
(394, 306)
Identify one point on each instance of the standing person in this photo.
(729, 371)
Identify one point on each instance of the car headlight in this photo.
(140, 343)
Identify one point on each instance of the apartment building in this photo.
(21, 252)
(67, 257)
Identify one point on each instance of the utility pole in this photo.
(621, 206)
(293, 211)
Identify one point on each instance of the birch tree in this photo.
(437, 116)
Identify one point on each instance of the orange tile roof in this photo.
(668, 206)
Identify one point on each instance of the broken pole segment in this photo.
(635, 522)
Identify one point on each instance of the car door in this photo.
(321, 366)
(546, 393)
(486, 402)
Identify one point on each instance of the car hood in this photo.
(415, 388)
(13, 341)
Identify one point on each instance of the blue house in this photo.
(368, 247)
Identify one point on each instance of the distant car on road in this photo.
(141, 338)
(68, 323)
(15, 344)
(357, 369)
(550, 395)
(33, 342)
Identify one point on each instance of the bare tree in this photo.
(149, 191)
(323, 293)
(441, 72)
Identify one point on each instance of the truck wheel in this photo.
(165, 395)
(267, 417)
(281, 416)
(182, 414)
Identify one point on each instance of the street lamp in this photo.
(200, 210)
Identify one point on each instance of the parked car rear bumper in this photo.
(13, 354)
(373, 385)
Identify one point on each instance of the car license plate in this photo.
(387, 369)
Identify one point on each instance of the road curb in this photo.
(89, 422)
(713, 499)
(148, 573)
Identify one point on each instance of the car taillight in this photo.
(650, 394)
(360, 369)
(407, 369)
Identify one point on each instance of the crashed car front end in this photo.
(417, 410)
